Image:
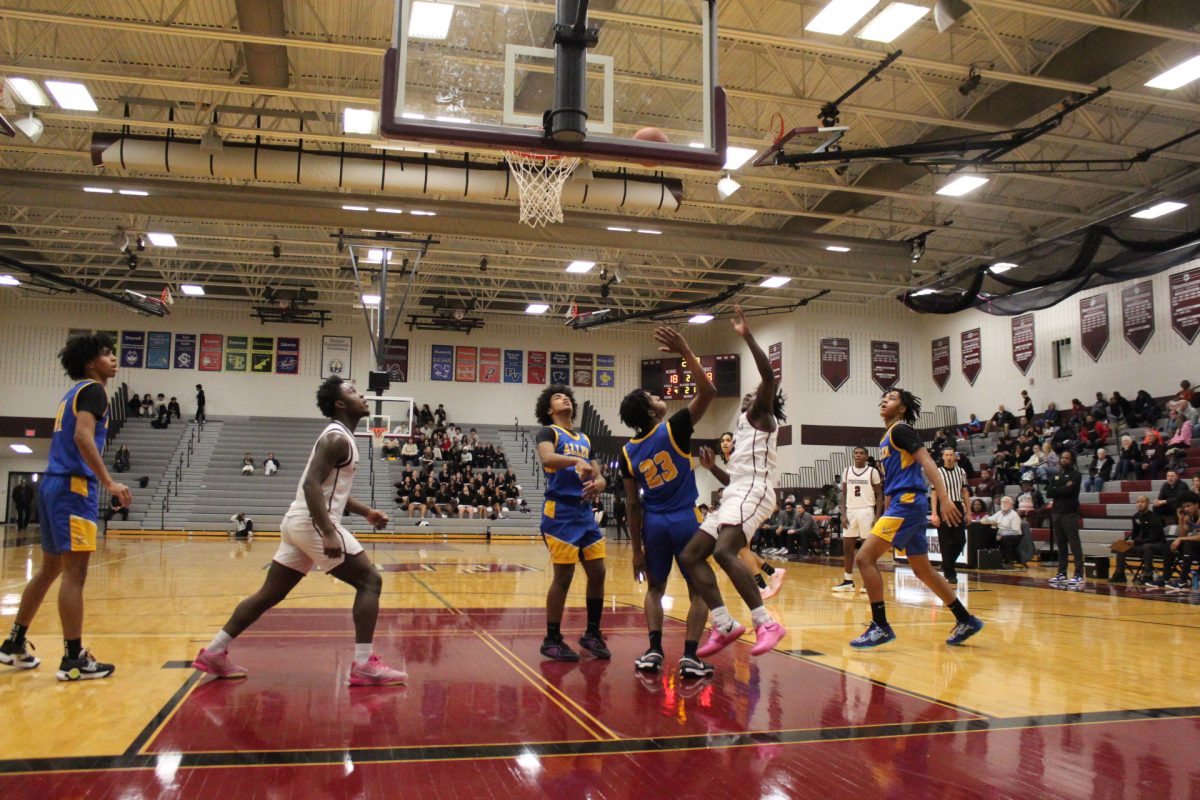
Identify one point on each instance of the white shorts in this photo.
(859, 522)
(300, 545)
(746, 506)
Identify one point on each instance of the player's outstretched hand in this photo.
(708, 458)
(740, 325)
(377, 518)
(669, 340)
(122, 493)
(332, 546)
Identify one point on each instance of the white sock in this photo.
(848, 576)
(220, 642)
(722, 620)
(362, 652)
(760, 616)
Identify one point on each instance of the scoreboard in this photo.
(672, 379)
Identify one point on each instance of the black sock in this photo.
(960, 611)
(689, 648)
(878, 614)
(767, 568)
(595, 607)
(17, 636)
(553, 631)
(656, 641)
(762, 584)
(73, 647)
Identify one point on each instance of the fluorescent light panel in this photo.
(774, 282)
(9, 280)
(371, 299)
(1002, 266)
(537, 308)
(727, 187)
(359, 120)
(28, 92)
(1159, 210)
(1178, 76)
(191, 289)
(430, 20)
(374, 255)
(835, 248)
(355, 208)
(580, 267)
(735, 157)
(135, 193)
(97, 190)
(423, 213)
(649, 231)
(839, 16)
(71, 96)
(892, 21)
(962, 185)
(161, 239)
(23, 449)
(390, 210)
(700, 319)
(619, 229)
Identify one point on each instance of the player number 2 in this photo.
(858, 491)
(658, 470)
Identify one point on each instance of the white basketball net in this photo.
(540, 182)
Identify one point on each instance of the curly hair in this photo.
(542, 409)
(81, 350)
(635, 411)
(780, 398)
(328, 395)
(911, 403)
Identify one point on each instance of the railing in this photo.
(164, 508)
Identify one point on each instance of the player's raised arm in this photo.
(708, 460)
(670, 341)
(762, 410)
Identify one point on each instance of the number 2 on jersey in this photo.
(658, 470)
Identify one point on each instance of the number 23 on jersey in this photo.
(658, 470)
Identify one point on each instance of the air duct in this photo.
(266, 64)
(404, 176)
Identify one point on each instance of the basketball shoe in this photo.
(15, 655)
(375, 673)
(218, 665)
(84, 668)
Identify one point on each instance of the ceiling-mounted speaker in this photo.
(31, 126)
(948, 12)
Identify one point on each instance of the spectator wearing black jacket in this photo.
(1187, 540)
(1145, 410)
(1063, 490)
(1099, 472)
(1148, 538)
(173, 408)
(1168, 497)
(1001, 420)
(1129, 460)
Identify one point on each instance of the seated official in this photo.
(1147, 539)
(1007, 523)
(1187, 542)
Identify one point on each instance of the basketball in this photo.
(651, 135)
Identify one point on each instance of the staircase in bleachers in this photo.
(151, 451)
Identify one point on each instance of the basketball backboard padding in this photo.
(801, 140)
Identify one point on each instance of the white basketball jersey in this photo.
(754, 454)
(337, 486)
(860, 486)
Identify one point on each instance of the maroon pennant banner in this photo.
(1023, 345)
(835, 362)
(1093, 324)
(941, 361)
(1185, 303)
(885, 364)
(1137, 314)
(972, 354)
(775, 355)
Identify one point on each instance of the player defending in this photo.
(862, 504)
(660, 488)
(773, 582)
(311, 535)
(568, 525)
(749, 499)
(903, 458)
(69, 508)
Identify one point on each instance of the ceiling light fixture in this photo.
(774, 282)
(619, 229)
(962, 185)
(580, 267)
(839, 16)
(191, 289)
(948, 12)
(359, 120)
(735, 157)
(23, 449)
(71, 96)
(537, 308)
(9, 280)
(31, 126)
(892, 21)
(1001, 266)
(423, 213)
(1159, 210)
(161, 239)
(390, 210)
(430, 20)
(649, 231)
(1178, 76)
(135, 193)
(355, 208)
(727, 187)
(28, 92)
(700, 319)
(97, 190)
(837, 248)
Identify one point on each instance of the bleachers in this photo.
(151, 454)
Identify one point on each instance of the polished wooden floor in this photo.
(1065, 693)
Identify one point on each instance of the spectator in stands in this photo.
(121, 461)
(1026, 406)
(978, 510)
(973, 426)
(469, 502)
(1169, 493)
(427, 459)
(1049, 465)
(1147, 539)
(428, 494)
(1100, 407)
(1182, 399)
(410, 455)
(1001, 420)
(785, 528)
(944, 439)
(1077, 408)
(1182, 438)
(174, 410)
(1145, 410)
(1004, 467)
(1100, 471)
(1154, 459)
(1187, 540)
(243, 526)
(390, 450)
(1050, 416)
(162, 417)
(439, 414)
(988, 486)
(147, 405)
(1196, 484)
(424, 414)
(247, 465)
(405, 489)
(1129, 460)
(499, 460)
(115, 508)
(134, 407)
(1120, 410)
(201, 414)
(270, 465)
(1063, 490)
(1031, 506)
(1030, 457)
(1095, 432)
(1007, 523)
(764, 537)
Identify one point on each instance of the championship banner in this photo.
(287, 355)
(466, 360)
(489, 365)
(441, 365)
(236, 357)
(885, 364)
(133, 348)
(537, 366)
(337, 353)
(1185, 303)
(513, 361)
(395, 360)
(972, 354)
(185, 351)
(606, 373)
(835, 362)
(560, 368)
(581, 374)
(1137, 314)
(941, 361)
(262, 354)
(1093, 324)
(775, 355)
(1024, 348)
(158, 350)
(211, 351)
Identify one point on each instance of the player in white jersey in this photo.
(862, 504)
(748, 500)
(311, 535)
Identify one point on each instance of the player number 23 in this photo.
(658, 470)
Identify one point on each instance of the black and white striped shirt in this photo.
(955, 480)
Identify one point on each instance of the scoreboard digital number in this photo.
(672, 379)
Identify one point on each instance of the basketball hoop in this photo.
(540, 180)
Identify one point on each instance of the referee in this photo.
(952, 538)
